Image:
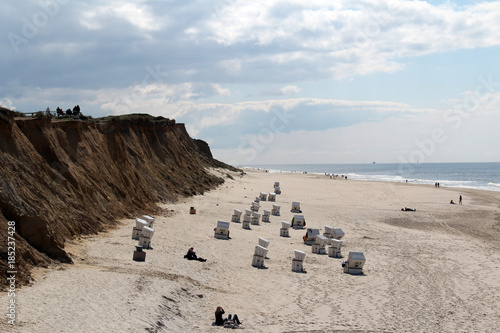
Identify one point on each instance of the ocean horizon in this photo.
(473, 175)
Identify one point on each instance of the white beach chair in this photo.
(236, 216)
(355, 262)
(298, 222)
(263, 196)
(271, 196)
(297, 262)
(255, 218)
(329, 233)
(319, 244)
(145, 237)
(263, 242)
(222, 230)
(259, 256)
(296, 207)
(149, 219)
(276, 210)
(248, 212)
(246, 223)
(310, 237)
(334, 248)
(284, 231)
(255, 206)
(139, 224)
(277, 190)
(338, 233)
(265, 215)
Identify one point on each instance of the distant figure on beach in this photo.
(191, 255)
(460, 200)
(406, 209)
(230, 322)
(451, 202)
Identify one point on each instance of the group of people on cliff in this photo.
(59, 112)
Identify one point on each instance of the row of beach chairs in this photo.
(143, 232)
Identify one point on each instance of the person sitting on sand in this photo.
(191, 255)
(451, 202)
(220, 321)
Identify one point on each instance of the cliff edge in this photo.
(64, 178)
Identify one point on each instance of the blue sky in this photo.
(271, 81)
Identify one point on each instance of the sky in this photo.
(270, 82)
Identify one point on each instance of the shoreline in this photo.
(433, 269)
(368, 180)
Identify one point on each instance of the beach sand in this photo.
(433, 270)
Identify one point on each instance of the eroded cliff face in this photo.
(63, 178)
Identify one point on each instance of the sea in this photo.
(481, 176)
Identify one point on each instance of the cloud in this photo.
(7, 103)
(283, 91)
(238, 71)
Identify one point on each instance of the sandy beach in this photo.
(433, 270)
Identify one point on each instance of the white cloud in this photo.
(7, 103)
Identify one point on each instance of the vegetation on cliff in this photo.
(64, 178)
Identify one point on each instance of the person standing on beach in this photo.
(460, 199)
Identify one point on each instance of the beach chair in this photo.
(246, 223)
(139, 224)
(145, 237)
(277, 190)
(259, 256)
(284, 231)
(265, 215)
(222, 230)
(310, 236)
(247, 218)
(334, 248)
(149, 219)
(354, 263)
(319, 244)
(276, 210)
(255, 206)
(296, 207)
(263, 196)
(236, 216)
(271, 196)
(276, 184)
(298, 222)
(248, 212)
(263, 242)
(297, 262)
(338, 233)
(139, 254)
(329, 233)
(255, 218)
(257, 199)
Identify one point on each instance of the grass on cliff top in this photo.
(138, 117)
